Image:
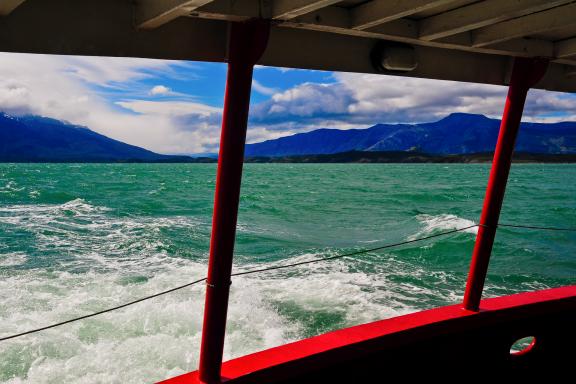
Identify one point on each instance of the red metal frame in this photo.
(525, 73)
(247, 42)
(431, 343)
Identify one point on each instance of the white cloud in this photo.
(396, 99)
(258, 87)
(169, 108)
(14, 96)
(361, 100)
(160, 90)
(106, 71)
(379, 98)
(64, 89)
(279, 69)
(71, 89)
(195, 127)
(307, 100)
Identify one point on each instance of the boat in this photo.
(520, 44)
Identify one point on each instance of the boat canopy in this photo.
(519, 43)
(462, 40)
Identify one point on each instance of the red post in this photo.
(525, 73)
(247, 42)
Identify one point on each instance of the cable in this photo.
(234, 274)
(353, 253)
(100, 312)
(535, 227)
(275, 268)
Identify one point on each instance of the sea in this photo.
(79, 238)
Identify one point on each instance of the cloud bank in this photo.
(133, 100)
(76, 89)
(359, 100)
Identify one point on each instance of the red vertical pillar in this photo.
(247, 42)
(525, 73)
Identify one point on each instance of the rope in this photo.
(275, 268)
(234, 274)
(535, 227)
(353, 253)
(100, 312)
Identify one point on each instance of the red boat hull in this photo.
(425, 344)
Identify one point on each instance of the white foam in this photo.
(161, 337)
(34, 194)
(91, 235)
(76, 206)
(10, 187)
(119, 259)
(12, 259)
(443, 222)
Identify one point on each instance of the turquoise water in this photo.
(79, 238)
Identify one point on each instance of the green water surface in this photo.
(77, 238)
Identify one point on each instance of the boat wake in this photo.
(443, 222)
(84, 258)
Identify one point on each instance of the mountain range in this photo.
(41, 139)
(456, 134)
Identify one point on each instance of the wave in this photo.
(443, 222)
(118, 259)
(11, 187)
(95, 238)
(12, 259)
(160, 338)
(76, 206)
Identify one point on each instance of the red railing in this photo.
(247, 42)
(437, 343)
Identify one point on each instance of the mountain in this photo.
(458, 133)
(411, 157)
(40, 139)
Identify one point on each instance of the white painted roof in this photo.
(460, 40)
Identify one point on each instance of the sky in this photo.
(175, 107)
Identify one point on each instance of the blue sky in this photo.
(175, 106)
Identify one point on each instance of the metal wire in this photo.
(234, 274)
(535, 227)
(101, 312)
(354, 253)
(249, 272)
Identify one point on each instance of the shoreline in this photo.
(353, 157)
